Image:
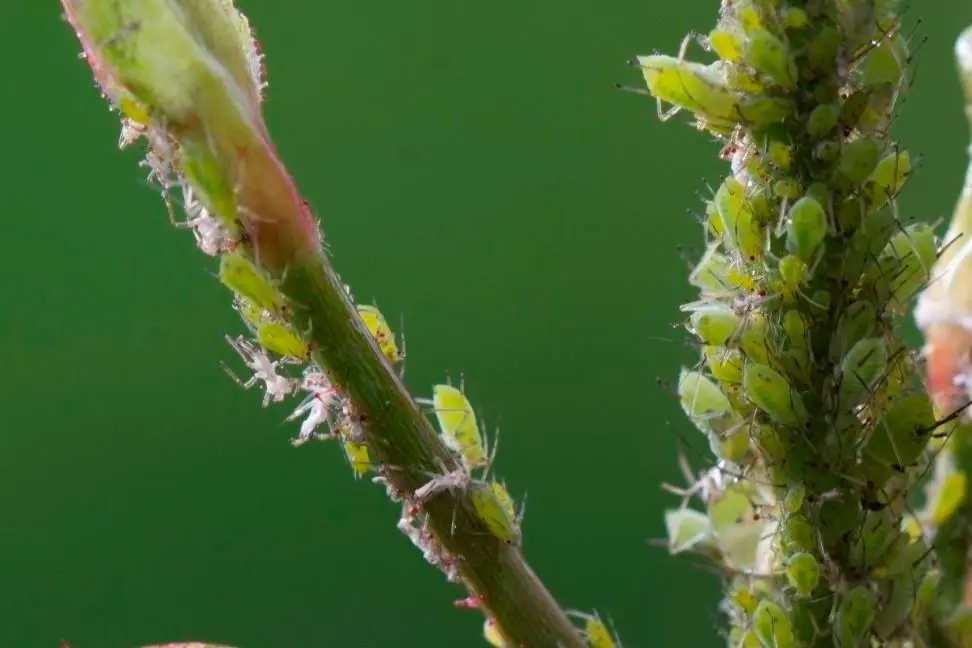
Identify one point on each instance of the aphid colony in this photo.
(279, 358)
(327, 415)
(324, 414)
(804, 393)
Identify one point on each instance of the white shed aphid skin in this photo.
(131, 131)
(276, 387)
(454, 480)
(316, 410)
(423, 539)
(449, 480)
(705, 486)
(211, 235)
(383, 479)
(317, 407)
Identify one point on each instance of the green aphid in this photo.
(688, 530)
(702, 90)
(786, 189)
(714, 275)
(739, 545)
(925, 595)
(764, 207)
(907, 556)
(730, 506)
(795, 18)
(854, 107)
(503, 495)
(798, 532)
(821, 299)
(886, 62)
(771, 392)
(803, 573)
(748, 15)
(206, 175)
(252, 314)
(375, 323)
(725, 365)
(697, 88)
(808, 617)
(896, 605)
(878, 114)
(743, 597)
(858, 159)
(458, 425)
(742, 638)
(738, 530)
(906, 261)
(823, 119)
(902, 433)
(770, 56)
(855, 612)
(888, 179)
(238, 273)
(795, 327)
(714, 323)
(873, 538)
(863, 365)
(793, 499)
(726, 44)
(494, 513)
(754, 340)
(713, 221)
(711, 273)
(823, 48)
(826, 150)
(706, 405)
(794, 272)
(742, 230)
(358, 458)
(806, 228)
(282, 340)
(837, 516)
(856, 322)
(772, 626)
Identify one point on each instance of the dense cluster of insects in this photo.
(814, 410)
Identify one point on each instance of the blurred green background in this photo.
(477, 173)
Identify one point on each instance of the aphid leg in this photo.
(491, 454)
(239, 381)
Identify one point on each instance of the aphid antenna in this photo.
(491, 454)
(425, 402)
(632, 89)
(404, 354)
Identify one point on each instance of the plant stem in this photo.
(183, 70)
(406, 444)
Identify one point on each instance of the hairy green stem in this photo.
(804, 389)
(410, 450)
(184, 71)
